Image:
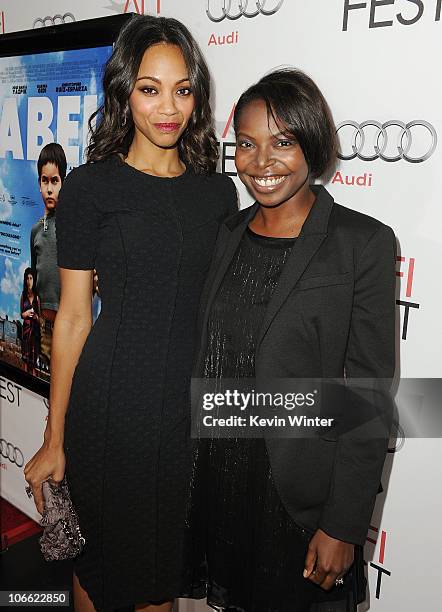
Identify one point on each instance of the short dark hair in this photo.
(115, 129)
(52, 153)
(299, 108)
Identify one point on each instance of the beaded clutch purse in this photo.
(61, 537)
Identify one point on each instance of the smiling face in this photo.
(270, 164)
(50, 185)
(162, 102)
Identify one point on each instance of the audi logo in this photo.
(52, 21)
(355, 141)
(11, 452)
(243, 9)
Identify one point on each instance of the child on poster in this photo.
(51, 167)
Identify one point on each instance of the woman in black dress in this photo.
(300, 287)
(30, 311)
(144, 212)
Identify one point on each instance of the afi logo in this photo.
(135, 6)
(406, 273)
(373, 538)
(138, 6)
(10, 392)
(227, 144)
(411, 16)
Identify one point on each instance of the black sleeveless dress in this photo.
(127, 425)
(247, 554)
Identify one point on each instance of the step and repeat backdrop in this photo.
(377, 64)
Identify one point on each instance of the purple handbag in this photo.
(61, 537)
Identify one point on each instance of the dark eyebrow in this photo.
(284, 135)
(158, 80)
(277, 135)
(244, 135)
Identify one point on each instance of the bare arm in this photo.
(72, 325)
(71, 328)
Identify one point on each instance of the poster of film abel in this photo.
(45, 101)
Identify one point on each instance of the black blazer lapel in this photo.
(313, 233)
(299, 258)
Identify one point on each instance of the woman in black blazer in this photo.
(300, 287)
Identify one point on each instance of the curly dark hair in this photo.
(297, 105)
(197, 145)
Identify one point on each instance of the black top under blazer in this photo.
(332, 315)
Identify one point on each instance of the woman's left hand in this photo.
(327, 559)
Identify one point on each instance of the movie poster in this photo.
(45, 100)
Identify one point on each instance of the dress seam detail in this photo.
(111, 369)
(157, 483)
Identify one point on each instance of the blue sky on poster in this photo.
(20, 199)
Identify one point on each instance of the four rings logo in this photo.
(52, 21)
(11, 452)
(243, 8)
(355, 142)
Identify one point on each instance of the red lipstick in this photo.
(167, 127)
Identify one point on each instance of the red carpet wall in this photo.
(377, 63)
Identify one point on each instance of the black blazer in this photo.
(332, 314)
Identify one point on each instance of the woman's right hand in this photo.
(48, 462)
